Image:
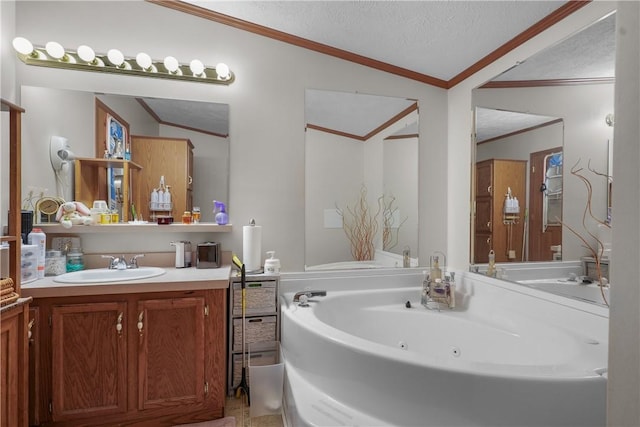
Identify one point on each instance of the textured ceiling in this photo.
(496, 123)
(437, 38)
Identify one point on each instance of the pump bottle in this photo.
(221, 213)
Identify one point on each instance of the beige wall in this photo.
(266, 107)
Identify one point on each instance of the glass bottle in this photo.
(75, 260)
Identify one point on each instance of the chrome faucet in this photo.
(121, 262)
(303, 296)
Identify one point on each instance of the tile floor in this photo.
(238, 408)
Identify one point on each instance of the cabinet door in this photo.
(10, 356)
(89, 349)
(171, 352)
(34, 366)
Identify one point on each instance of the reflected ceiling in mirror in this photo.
(361, 180)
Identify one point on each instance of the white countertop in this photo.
(174, 279)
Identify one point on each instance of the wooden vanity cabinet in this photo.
(168, 157)
(157, 358)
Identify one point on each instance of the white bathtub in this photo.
(505, 357)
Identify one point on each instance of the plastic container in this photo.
(271, 264)
(38, 238)
(75, 260)
(266, 381)
(55, 263)
(28, 263)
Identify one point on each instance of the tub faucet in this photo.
(303, 296)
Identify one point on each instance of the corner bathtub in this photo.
(502, 358)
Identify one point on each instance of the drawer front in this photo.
(258, 329)
(261, 298)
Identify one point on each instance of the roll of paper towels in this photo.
(252, 246)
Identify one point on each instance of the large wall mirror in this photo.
(535, 123)
(71, 114)
(361, 172)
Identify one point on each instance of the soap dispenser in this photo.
(271, 264)
(221, 213)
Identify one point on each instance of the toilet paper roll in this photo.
(252, 247)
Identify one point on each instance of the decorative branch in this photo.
(596, 253)
(389, 238)
(361, 225)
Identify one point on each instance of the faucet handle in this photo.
(111, 262)
(134, 261)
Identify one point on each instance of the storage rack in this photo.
(262, 324)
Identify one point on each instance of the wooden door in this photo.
(540, 240)
(168, 157)
(507, 236)
(483, 222)
(171, 352)
(89, 349)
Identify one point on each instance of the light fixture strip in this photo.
(101, 63)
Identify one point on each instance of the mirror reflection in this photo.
(550, 113)
(361, 172)
(72, 114)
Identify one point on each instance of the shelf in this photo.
(205, 227)
(109, 163)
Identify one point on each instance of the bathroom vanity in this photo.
(150, 350)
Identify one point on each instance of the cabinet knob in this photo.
(190, 179)
(119, 324)
(489, 189)
(140, 322)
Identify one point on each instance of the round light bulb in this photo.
(197, 67)
(171, 64)
(86, 53)
(222, 70)
(144, 60)
(22, 45)
(55, 50)
(115, 57)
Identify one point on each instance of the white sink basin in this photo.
(101, 275)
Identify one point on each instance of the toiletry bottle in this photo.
(221, 213)
(406, 257)
(167, 197)
(436, 272)
(38, 238)
(491, 269)
(271, 264)
(154, 199)
(424, 295)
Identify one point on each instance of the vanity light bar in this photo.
(84, 59)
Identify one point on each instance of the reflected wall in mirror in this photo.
(550, 113)
(71, 114)
(361, 168)
(569, 88)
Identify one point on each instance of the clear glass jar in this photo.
(55, 263)
(75, 260)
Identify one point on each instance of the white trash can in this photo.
(266, 378)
